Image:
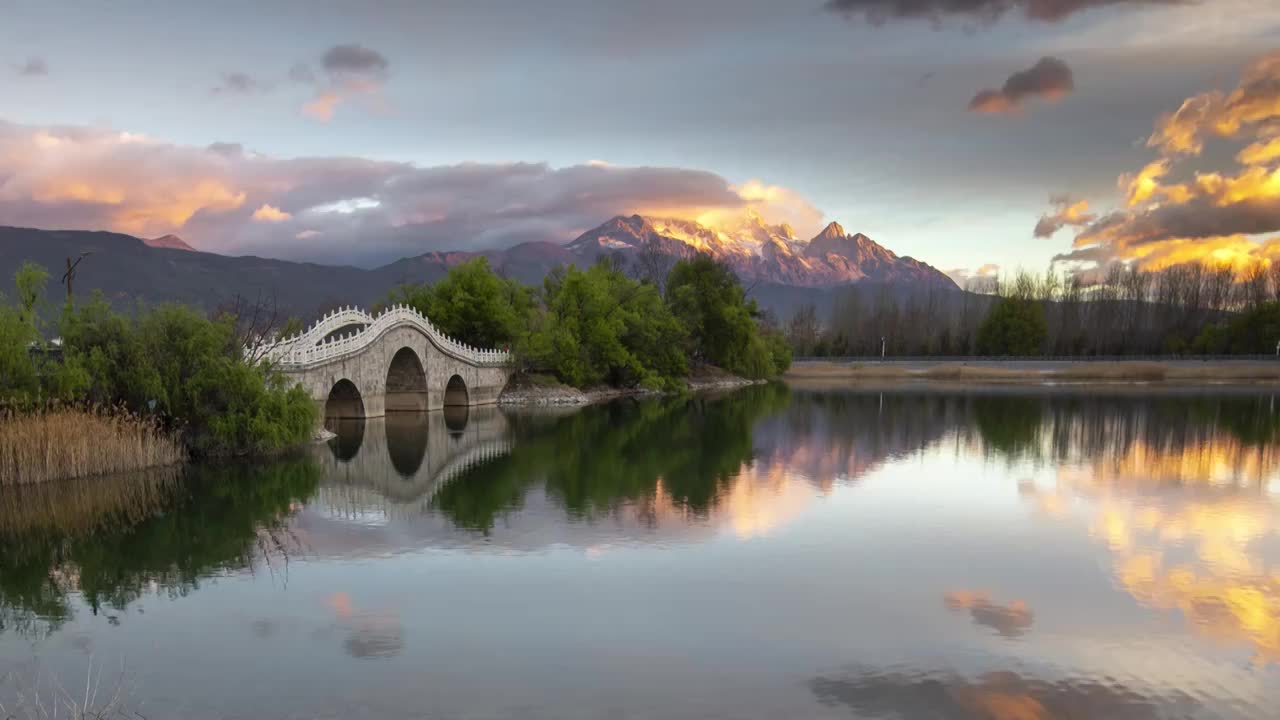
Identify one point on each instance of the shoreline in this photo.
(1041, 372)
(532, 395)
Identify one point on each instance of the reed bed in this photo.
(60, 443)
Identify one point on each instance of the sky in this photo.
(970, 134)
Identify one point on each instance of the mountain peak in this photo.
(171, 242)
(833, 231)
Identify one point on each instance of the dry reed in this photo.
(64, 442)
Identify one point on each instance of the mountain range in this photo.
(782, 270)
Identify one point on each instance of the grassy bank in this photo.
(1033, 372)
(63, 443)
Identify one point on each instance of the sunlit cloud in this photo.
(1176, 210)
(270, 213)
(981, 280)
(350, 71)
(1068, 212)
(227, 199)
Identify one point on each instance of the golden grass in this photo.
(1117, 371)
(63, 443)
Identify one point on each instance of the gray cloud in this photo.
(1050, 78)
(982, 11)
(33, 67)
(227, 149)
(345, 62)
(238, 83)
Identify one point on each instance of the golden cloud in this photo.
(348, 209)
(1175, 212)
(270, 213)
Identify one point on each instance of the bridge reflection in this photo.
(406, 457)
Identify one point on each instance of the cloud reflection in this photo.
(909, 694)
(1011, 620)
(377, 634)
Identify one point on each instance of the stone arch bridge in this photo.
(356, 364)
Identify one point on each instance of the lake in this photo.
(1000, 553)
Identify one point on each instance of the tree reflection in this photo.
(166, 534)
(592, 461)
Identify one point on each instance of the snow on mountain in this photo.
(759, 251)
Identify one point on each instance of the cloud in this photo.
(346, 62)
(1050, 79)
(1012, 620)
(1067, 211)
(912, 692)
(1180, 208)
(237, 83)
(33, 67)
(981, 11)
(321, 107)
(270, 213)
(351, 71)
(1254, 105)
(337, 209)
(981, 280)
(228, 149)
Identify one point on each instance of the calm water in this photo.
(776, 553)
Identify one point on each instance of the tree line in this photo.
(1186, 309)
(602, 326)
(195, 374)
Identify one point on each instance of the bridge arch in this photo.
(344, 401)
(397, 360)
(406, 384)
(455, 392)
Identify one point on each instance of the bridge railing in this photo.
(317, 344)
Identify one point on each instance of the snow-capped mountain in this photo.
(759, 251)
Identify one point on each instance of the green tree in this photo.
(19, 333)
(722, 324)
(1016, 326)
(471, 304)
(176, 363)
(599, 326)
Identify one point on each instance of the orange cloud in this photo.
(1069, 212)
(322, 106)
(270, 213)
(1213, 215)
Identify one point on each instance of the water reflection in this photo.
(107, 541)
(1002, 695)
(1003, 553)
(1010, 620)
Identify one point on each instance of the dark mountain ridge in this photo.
(784, 272)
